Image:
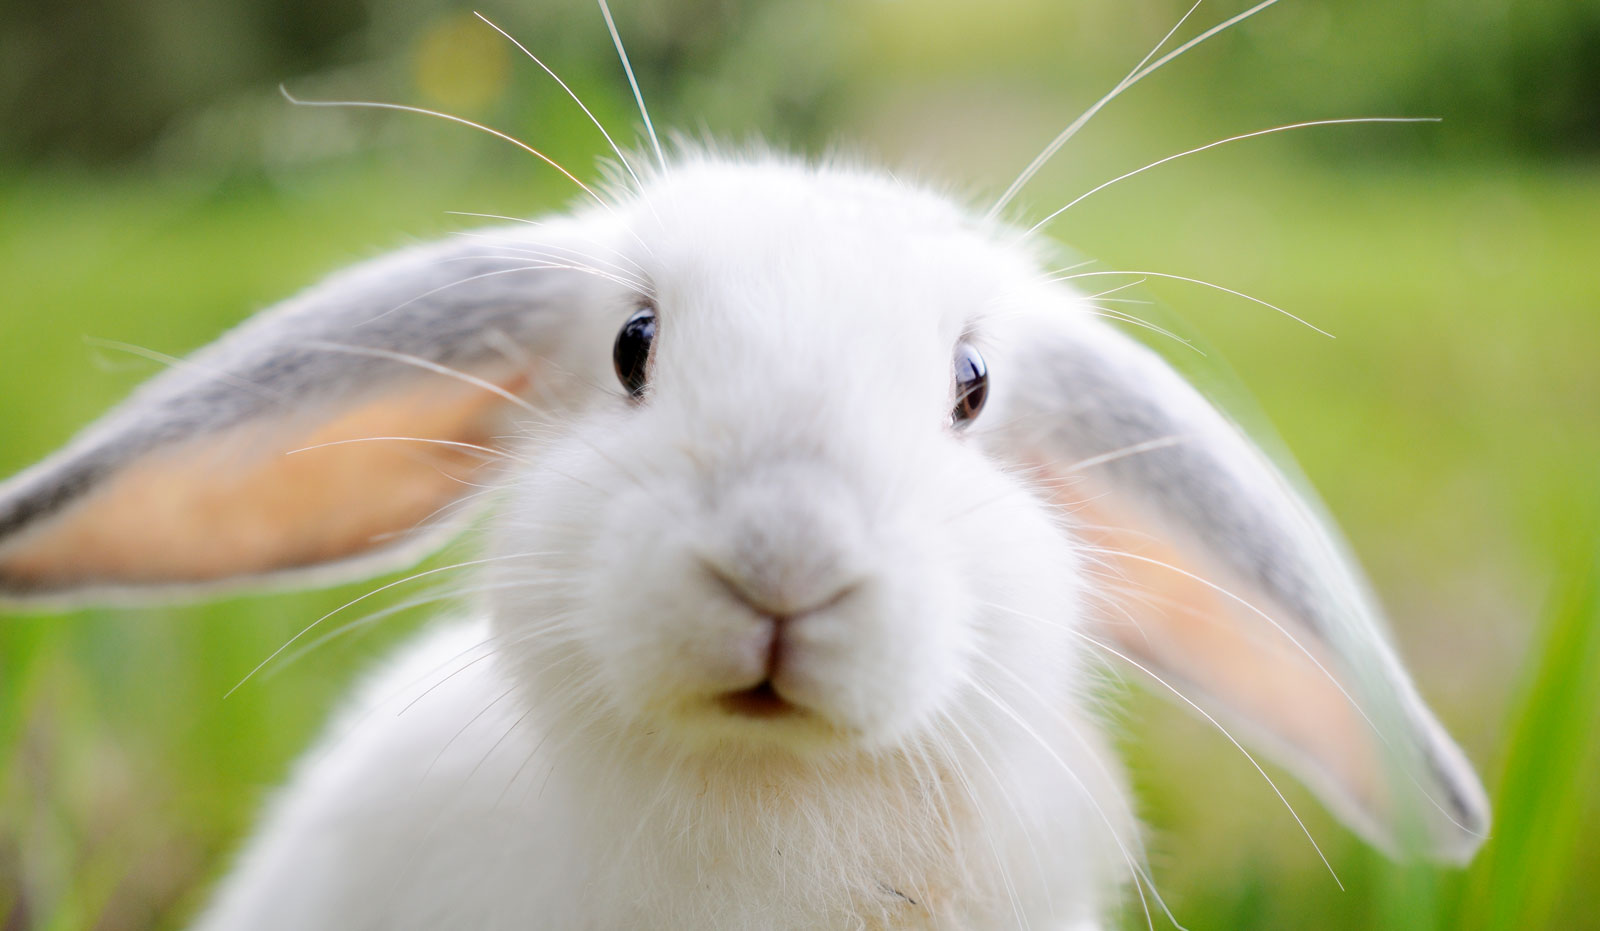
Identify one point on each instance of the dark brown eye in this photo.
(631, 354)
(972, 385)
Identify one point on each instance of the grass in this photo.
(1538, 857)
(1452, 427)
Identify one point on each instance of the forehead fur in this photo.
(782, 266)
(830, 230)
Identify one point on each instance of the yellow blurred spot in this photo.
(460, 64)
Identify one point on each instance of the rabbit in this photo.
(813, 510)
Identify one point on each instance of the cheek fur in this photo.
(948, 592)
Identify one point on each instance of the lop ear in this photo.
(1214, 575)
(257, 459)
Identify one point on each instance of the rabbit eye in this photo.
(631, 354)
(972, 385)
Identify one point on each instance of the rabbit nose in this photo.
(769, 598)
(788, 542)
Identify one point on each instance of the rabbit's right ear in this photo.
(259, 458)
(1217, 579)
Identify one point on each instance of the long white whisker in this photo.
(1202, 282)
(403, 439)
(1160, 442)
(1060, 140)
(1098, 295)
(1133, 862)
(463, 728)
(538, 223)
(406, 108)
(1110, 314)
(1212, 145)
(554, 261)
(1231, 739)
(561, 253)
(1276, 625)
(428, 365)
(988, 835)
(627, 66)
(570, 93)
(186, 365)
(368, 620)
(1099, 644)
(994, 779)
(355, 601)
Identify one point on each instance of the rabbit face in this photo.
(790, 538)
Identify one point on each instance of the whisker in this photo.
(1160, 442)
(1128, 318)
(406, 108)
(994, 780)
(556, 262)
(1216, 287)
(463, 728)
(405, 439)
(191, 365)
(1276, 625)
(622, 53)
(560, 253)
(1060, 140)
(570, 93)
(1225, 24)
(1139, 872)
(1231, 739)
(1098, 295)
(1212, 145)
(1099, 644)
(369, 620)
(538, 223)
(988, 835)
(382, 588)
(428, 365)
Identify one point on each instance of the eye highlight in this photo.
(631, 354)
(972, 384)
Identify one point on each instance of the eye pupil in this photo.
(631, 354)
(972, 385)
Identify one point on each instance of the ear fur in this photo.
(1218, 578)
(190, 485)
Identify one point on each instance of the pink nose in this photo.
(781, 603)
(781, 610)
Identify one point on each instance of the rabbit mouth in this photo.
(759, 702)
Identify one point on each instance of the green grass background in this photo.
(1452, 427)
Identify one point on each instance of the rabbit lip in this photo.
(759, 702)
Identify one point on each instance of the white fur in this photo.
(789, 502)
(796, 434)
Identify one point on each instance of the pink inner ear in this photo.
(1222, 655)
(236, 505)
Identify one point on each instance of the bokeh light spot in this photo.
(460, 65)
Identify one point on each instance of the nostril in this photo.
(774, 601)
(742, 591)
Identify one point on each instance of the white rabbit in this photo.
(815, 506)
(794, 627)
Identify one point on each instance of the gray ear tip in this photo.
(1456, 811)
(1472, 822)
(1460, 842)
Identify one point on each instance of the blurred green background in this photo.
(155, 188)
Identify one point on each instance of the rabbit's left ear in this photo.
(330, 436)
(1212, 574)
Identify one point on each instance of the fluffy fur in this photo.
(789, 503)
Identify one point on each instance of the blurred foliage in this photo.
(102, 80)
(154, 188)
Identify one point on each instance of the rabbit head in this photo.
(781, 460)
